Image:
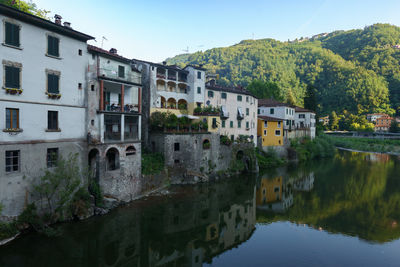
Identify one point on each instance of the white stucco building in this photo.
(42, 101)
(305, 122)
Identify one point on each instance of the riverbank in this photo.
(367, 144)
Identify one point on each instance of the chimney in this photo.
(212, 82)
(164, 63)
(57, 19)
(113, 51)
(67, 25)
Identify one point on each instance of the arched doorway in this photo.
(112, 157)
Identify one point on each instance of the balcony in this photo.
(113, 125)
(120, 98)
(127, 76)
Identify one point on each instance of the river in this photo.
(340, 212)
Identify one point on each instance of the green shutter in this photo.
(8, 33)
(53, 81)
(12, 34)
(12, 77)
(52, 46)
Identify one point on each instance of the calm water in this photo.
(341, 212)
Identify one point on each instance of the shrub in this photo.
(268, 159)
(152, 163)
(225, 140)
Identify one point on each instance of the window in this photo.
(279, 124)
(79, 85)
(247, 125)
(121, 71)
(302, 116)
(239, 124)
(239, 98)
(199, 90)
(12, 34)
(52, 120)
(286, 111)
(198, 75)
(223, 124)
(176, 146)
(52, 157)
(271, 111)
(12, 161)
(223, 95)
(214, 123)
(53, 83)
(80, 52)
(231, 124)
(53, 46)
(12, 79)
(265, 124)
(210, 93)
(258, 111)
(265, 132)
(247, 99)
(278, 132)
(12, 118)
(247, 111)
(232, 138)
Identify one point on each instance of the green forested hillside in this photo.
(355, 70)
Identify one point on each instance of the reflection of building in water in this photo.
(304, 184)
(378, 157)
(274, 194)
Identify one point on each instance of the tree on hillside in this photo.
(333, 121)
(290, 99)
(310, 99)
(394, 127)
(28, 7)
(264, 90)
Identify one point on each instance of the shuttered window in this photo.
(52, 157)
(12, 34)
(223, 95)
(121, 71)
(53, 46)
(12, 77)
(53, 83)
(52, 120)
(12, 118)
(210, 93)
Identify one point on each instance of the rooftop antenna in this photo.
(186, 50)
(102, 40)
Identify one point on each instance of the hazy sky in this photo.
(154, 30)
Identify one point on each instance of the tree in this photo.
(333, 121)
(310, 99)
(290, 98)
(264, 90)
(394, 126)
(28, 7)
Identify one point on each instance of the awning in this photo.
(189, 116)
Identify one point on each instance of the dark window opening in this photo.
(53, 83)
(80, 52)
(12, 34)
(12, 75)
(206, 144)
(198, 75)
(53, 46)
(112, 156)
(52, 157)
(121, 71)
(131, 150)
(176, 161)
(79, 85)
(176, 147)
(92, 87)
(52, 120)
(12, 161)
(12, 118)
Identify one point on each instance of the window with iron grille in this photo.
(53, 44)
(12, 160)
(12, 77)
(52, 157)
(12, 118)
(12, 34)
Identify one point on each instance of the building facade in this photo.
(42, 101)
(114, 123)
(270, 131)
(383, 123)
(304, 122)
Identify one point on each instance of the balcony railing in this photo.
(128, 75)
(117, 108)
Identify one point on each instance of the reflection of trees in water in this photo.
(354, 194)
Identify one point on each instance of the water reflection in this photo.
(354, 194)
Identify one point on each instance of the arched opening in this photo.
(239, 155)
(161, 85)
(112, 156)
(171, 86)
(163, 102)
(182, 88)
(94, 164)
(206, 144)
(130, 150)
(171, 103)
(182, 104)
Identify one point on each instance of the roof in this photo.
(196, 67)
(300, 109)
(43, 23)
(170, 67)
(272, 103)
(108, 54)
(236, 90)
(268, 118)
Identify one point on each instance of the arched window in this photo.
(112, 156)
(131, 150)
(206, 144)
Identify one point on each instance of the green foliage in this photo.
(80, 202)
(355, 71)
(269, 159)
(28, 7)
(394, 127)
(7, 230)
(310, 99)
(352, 122)
(307, 149)
(207, 110)
(367, 144)
(225, 140)
(262, 89)
(333, 121)
(96, 192)
(152, 163)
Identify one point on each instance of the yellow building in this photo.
(270, 131)
(270, 190)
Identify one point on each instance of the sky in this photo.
(154, 30)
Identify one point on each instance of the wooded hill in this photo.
(356, 70)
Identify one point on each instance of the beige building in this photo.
(238, 110)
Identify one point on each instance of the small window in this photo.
(130, 150)
(239, 98)
(247, 112)
(232, 138)
(199, 90)
(79, 85)
(12, 118)
(247, 125)
(53, 46)
(258, 111)
(210, 93)
(52, 157)
(198, 75)
(93, 56)
(92, 122)
(265, 132)
(53, 83)
(223, 124)
(247, 99)
(279, 124)
(271, 111)
(278, 132)
(80, 52)
(206, 144)
(92, 87)
(121, 71)
(223, 95)
(214, 123)
(12, 34)
(265, 124)
(12, 77)
(52, 120)
(176, 146)
(239, 124)
(231, 124)
(12, 160)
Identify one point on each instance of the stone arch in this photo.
(163, 102)
(130, 150)
(182, 104)
(171, 103)
(171, 86)
(161, 85)
(112, 159)
(206, 144)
